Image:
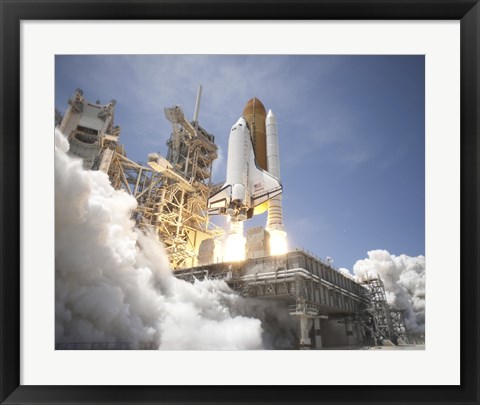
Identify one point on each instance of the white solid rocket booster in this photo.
(275, 216)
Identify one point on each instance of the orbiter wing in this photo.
(263, 185)
(218, 202)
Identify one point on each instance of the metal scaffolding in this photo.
(385, 323)
(399, 326)
(171, 193)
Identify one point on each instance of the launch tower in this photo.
(171, 192)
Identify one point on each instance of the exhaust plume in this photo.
(113, 282)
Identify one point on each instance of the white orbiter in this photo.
(247, 185)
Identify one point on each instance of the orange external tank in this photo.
(255, 115)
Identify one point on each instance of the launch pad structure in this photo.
(171, 192)
(324, 307)
(328, 309)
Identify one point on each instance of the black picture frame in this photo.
(12, 12)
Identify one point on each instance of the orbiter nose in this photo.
(241, 121)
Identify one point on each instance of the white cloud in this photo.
(404, 279)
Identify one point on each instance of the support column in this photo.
(361, 338)
(349, 331)
(305, 341)
(318, 336)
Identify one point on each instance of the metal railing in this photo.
(105, 346)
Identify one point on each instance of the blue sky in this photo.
(351, 133)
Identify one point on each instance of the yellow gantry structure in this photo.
(171, 191)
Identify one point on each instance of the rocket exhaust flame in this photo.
(234, 247)
(278, 242)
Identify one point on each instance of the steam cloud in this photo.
(113, 282)
(404, 279)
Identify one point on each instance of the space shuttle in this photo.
(247, 187)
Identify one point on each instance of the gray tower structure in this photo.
(90, 131)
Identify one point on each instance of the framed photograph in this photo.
(229, 183)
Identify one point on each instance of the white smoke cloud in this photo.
(113, 282)
(346, 273)
(218, 167)
(404, 279)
